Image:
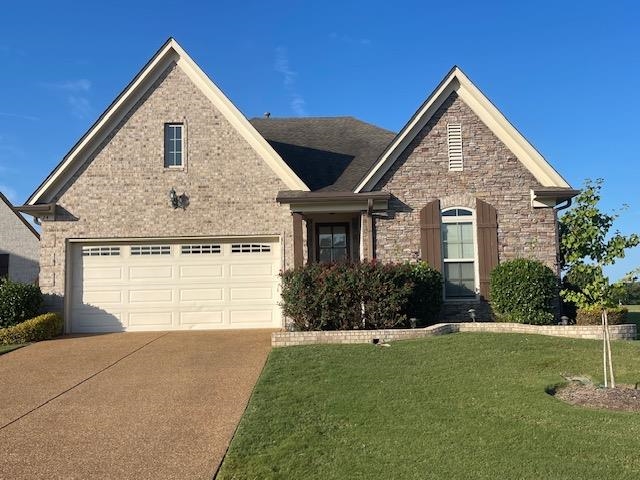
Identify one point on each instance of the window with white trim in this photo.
(100, 251)
(459, 253)
(200, 249)
(173, 145)
(250, 248)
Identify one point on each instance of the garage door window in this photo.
(250, 248)
(100, 251)
(151, 250)
(200, 249)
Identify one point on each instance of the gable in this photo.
(10, 219)
(169, 54)
(457, 82)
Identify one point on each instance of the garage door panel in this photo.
(201, 294)
(251, 270)
(151, 272)
(262, 316)
(170, 285)
(201, 271)
(202, 318)
(150, 296)
(153, 318)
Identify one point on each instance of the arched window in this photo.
(459, 253)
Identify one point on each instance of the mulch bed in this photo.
(625, 398)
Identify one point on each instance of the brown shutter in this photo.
(430, 246)
(487, 222)
(298, 256)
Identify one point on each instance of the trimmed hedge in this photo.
(18, 302)
(593, 316)
(360, 295)
(42, 327)
(523, 291)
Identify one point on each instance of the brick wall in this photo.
(122, 191)
(21, 245)
(594, 332)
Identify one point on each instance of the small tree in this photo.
(586, 247)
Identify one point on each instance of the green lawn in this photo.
(452, 407)
(634, 314)
(8, 348)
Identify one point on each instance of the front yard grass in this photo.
(454, 407)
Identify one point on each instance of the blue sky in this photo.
(564, 73)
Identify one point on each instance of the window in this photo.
(250, 248)
(173, 145)
(4, 265)
(100, 251)
(459, 253)
(332, 243)
(200, 249)
(150, 250)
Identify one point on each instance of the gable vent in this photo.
(454, 142)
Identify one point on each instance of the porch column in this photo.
(298, 253)
(366, 235)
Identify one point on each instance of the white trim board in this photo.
(457, 81)
(170, 52)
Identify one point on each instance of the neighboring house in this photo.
(175, 212)
(19, 245)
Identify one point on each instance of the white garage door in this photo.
(175, 286)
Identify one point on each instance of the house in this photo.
(19, 245)
(176, 212)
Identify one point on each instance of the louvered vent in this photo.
(454, 142)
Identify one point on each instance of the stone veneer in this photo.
(593, 332)
(491, 173)
(122, 190)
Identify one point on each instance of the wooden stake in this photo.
(604, 350)
(606, 323)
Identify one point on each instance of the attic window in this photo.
(173, 145)
(454, 143)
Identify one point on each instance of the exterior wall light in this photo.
(472, 314)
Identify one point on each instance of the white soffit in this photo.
(457, 81)
(170, 52)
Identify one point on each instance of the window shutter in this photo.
(298, 254)
(4, 265)
(487, 224)
(430, 234)
(454, 144)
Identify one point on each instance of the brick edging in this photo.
(594, 332)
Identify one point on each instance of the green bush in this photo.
(523, 291)
(18, 302)
(361, 295)
(42, 327)
(426, 298)
(593, 315)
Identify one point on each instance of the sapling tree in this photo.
(586, 247)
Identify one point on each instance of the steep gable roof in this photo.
(13, 211)
(327, 153)
(168, 53)
(457, 81)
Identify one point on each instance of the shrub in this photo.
(42, 327)
(593, 315)
(425, 300)
(18, 302)
(523, 291)
(361, 295)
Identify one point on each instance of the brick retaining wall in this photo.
(286, 339)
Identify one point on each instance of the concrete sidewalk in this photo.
(126, 405)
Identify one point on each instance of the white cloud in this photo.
(338, 37)
(289, 76)
(19, 116)
(75, 92)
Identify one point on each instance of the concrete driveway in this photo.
(125, 405)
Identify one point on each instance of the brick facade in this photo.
(122, 190)
(20, 244)
(491, 173)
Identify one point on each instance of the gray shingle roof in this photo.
(327, 153)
